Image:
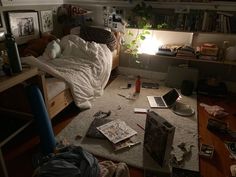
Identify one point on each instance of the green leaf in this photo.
(133, 42)
(128, 45)
(142, 37)
(130, 33)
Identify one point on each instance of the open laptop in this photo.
(165, 101)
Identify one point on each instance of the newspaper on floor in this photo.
(116, 131)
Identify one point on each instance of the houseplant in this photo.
(143, 15)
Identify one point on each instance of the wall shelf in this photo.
(196, 60)
(214, 5)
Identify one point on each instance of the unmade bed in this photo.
(80, 71)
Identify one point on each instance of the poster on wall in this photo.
(46, 18)
(24, 26)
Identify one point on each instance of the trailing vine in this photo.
(133, 46)
(143, 14)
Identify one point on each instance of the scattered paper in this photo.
(116, 131)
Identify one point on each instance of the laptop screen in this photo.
(171, 97)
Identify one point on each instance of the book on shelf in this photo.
(225, 13)
(216, 21)
(205, 21)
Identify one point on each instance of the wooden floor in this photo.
(219, 165)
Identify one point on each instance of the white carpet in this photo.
(186, 127)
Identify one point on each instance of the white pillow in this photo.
(53, 50)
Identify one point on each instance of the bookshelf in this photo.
(179, 15)
(189, 18)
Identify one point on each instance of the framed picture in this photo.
(46, 18)
(24, 26)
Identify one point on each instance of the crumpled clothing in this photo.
(70, 161)
(215, 111)
(111, 169)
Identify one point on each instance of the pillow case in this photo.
(98, 35)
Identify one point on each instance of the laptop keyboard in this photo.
(159, 101)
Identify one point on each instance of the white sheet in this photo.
(85, 66)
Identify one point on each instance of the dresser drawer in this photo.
(59, 102)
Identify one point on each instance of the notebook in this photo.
(165, 101)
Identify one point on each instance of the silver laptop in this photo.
(165, 101)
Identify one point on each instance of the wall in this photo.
(57, 27)
(160, 64)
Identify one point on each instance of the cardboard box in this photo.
(158, 138)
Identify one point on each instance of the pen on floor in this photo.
(140, 127)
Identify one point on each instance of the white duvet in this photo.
(85, 66)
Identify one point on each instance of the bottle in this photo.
(13, 54)
(137, 84)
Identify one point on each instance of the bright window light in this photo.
(150, 45)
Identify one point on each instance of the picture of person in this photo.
(25, 26)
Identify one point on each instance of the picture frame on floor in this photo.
(24, 26)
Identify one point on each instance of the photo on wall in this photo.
(46, 18)
(24, 26)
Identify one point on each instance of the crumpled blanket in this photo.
(85, 66)
(215, 110)
(111, 169)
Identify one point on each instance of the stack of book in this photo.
(208, 51)
(186, 51)
(168, 49)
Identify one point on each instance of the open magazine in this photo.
(116, 131)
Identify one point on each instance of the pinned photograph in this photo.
(46, 21)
